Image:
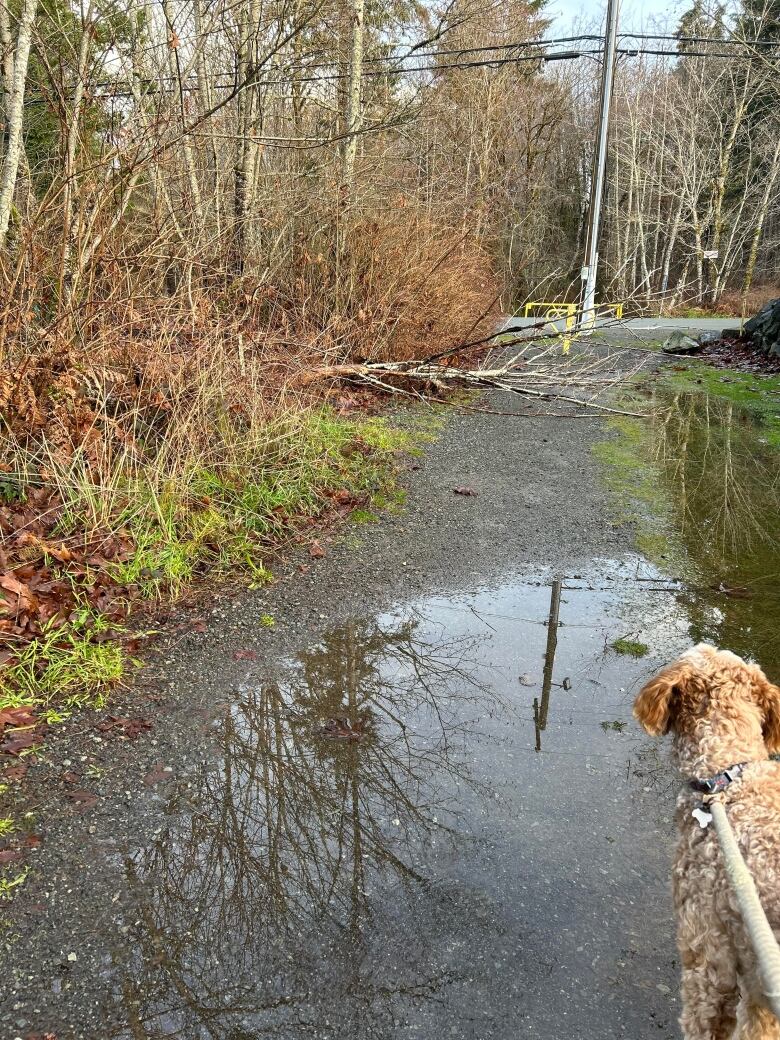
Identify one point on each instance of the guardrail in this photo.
(555, 310)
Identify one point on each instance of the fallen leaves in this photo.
(12, 717)
(340, 728)
(124, 727)
(15, 773)
(465, 491)
(316, 551)
(158, 774)
(20, 740)
(245, 655)
(43, 580)
(83, 799)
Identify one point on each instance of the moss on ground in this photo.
(757, 394)
(630, 647)
(630, 474)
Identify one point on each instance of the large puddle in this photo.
(721, 467)
(438, 821)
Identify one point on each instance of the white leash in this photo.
(759, 931)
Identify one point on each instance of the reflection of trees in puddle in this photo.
(726, 488)
(259, 904)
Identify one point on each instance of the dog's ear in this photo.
(768, 699)
(653, 706)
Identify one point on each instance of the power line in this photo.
(152, 87)
(287, 73)
(698, 39)
(747, 56)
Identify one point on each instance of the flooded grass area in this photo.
(428, 822)
(701, 480)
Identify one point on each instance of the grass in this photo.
(223, 518)
(702, 312)
(630, 647)
(363, 516)
(755, 393)
(194, 516)
(10, 881)
(66, 668)
(615, 725)
(630, 475)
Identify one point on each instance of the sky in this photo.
(635, 16)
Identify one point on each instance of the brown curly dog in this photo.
(725, 717)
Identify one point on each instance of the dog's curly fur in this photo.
(722, 711)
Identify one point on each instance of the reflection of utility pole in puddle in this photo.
(540, 710)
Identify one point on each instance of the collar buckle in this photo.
(719, 782)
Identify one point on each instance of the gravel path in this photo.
(93, 937)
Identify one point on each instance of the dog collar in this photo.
(719, 782)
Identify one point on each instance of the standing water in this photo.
(394, 839)
(720, 465)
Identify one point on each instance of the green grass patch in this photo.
(759, 395)
(65, 668)
(701, 312)
(223, 519)
(630, 647)
(363, 516)
(10, 880)
(613, 725)
(188, 517)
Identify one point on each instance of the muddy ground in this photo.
(339, 825)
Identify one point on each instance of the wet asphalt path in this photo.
(380, 817)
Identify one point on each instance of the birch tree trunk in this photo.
(69, 168)
(14, 112)
(355, 98)
(760, 219)
(6, 59)
(249, 28)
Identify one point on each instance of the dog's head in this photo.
(713, 699)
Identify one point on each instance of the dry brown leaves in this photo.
(124, 727)
(39, 573)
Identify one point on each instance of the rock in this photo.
(731, 334)
(705, 338)
(763, 330)
(679, 343)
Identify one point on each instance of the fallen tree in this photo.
(529, 366)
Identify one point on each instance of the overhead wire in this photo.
(153, 87)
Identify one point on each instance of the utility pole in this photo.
(588, 316)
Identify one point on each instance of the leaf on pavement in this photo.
(83, 799)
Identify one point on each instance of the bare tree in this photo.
(15, 81)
